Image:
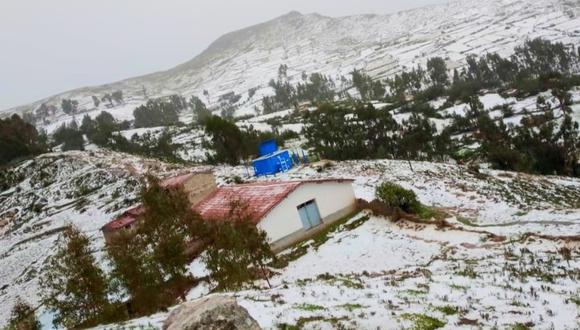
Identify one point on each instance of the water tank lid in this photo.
(267, 147)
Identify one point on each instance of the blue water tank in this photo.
(273, 163)
(268, 147)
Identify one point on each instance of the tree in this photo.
(153, 258)
(87, 125)
(69, 136)
(178, 102)
(96, 101)
(23, 317)
(153, 145)
(564, 99)
(199, 109)
(539, 56)
(568, 137)
(236, 246)
(341, 133)
(100, 130)
(318, 88)
(108, 98)
(285, 93)
(133, 270)
(169, 224)
(18, 139)
(156, 112)
(437, 70)
(69, 106)
(270, 105)
(117, 96)
(367, 88)
(43, 111)
(226, 141)
(283, 72)
(74, 287)
(418, 137)
(227, 110)
(395, 196)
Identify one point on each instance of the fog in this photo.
(52, 46)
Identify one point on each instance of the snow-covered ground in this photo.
(378, 271)
(383, 275)
(379, 274)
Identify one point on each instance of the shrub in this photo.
(237, 249)
(396, 196)
(23, 317)
(424, 322)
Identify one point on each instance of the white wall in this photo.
(330, 197)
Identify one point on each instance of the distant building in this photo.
(197, 186)
(126, 222)
(287, 211)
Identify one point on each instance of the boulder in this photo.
(215, 312)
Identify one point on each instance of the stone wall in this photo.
(199, 186)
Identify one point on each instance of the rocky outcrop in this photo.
(211, 313)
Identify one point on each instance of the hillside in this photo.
(497, 260)
(380, 44)
(89, 188)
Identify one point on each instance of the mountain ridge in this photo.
(380, 44)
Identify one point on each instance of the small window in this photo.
(309, 214)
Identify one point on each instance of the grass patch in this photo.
(296, 252)
(351, 307)
(467, 272)
(520, 326)
(332, 320)
(309, 307)
(341, 281)
(458, 287)
(423, 322)
(305, 320)
(339, 226)
(415, 293)
(427, 213)
(448, 310)
(466, 221)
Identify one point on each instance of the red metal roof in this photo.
(259, 198)
(127, 218)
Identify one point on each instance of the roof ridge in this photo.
(262, 197)
(289, 181)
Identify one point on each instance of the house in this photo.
(196, 185)
(272, 160)
(126, 222)
(287, 211)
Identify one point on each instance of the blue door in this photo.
(309, 214)
(304, 217)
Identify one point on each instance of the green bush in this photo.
(396, 196)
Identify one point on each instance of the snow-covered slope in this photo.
(380, 44)
(499, 265)
(88, 188)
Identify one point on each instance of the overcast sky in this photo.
(51, 46)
